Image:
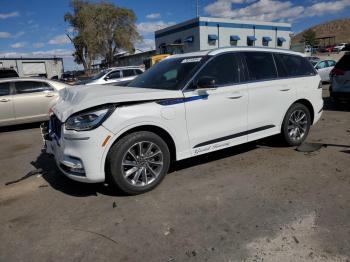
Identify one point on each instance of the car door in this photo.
(217, 118)
(33, 99)
(6, 104)
(114, 77)
(269, 95)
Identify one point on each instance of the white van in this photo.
(184, 106)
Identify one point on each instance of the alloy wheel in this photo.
(297, 125)
(142, 163)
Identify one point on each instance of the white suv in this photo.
(184, 106)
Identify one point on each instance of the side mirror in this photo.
(106, 78)
(206, 82)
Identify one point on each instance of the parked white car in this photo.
(184, 106)
(340, 47)
(26, 100)
(113, 75)
(340, 79)
(324, 68)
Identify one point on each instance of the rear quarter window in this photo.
(296, 65)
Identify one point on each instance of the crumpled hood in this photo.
(77, 98)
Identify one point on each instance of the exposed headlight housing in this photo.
(88, 120)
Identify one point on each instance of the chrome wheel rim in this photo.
(142, 163)
(297, 125)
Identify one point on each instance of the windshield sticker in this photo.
(191, 60)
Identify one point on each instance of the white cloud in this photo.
(54, 52)
(321, 8)
(5, 35)
(59, 40)
(151, 27)
(38, 45)
(153, 16)
(146, 44)
(8, 15)
(18, 45)
(272, 10)
(20, 33)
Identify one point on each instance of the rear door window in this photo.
(281, 68)
(5, 89)
(261, 65)
(128, 73)
(138, 72)
(296, 65)
(27, 87)
(331, 63)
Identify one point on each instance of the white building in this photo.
(203, 33)
(47, 67)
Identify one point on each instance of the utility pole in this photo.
(197, 8)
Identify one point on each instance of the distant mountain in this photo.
(338, 28)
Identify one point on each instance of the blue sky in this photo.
(37, 28)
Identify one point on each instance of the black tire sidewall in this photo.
(285, 134)
(117, 153)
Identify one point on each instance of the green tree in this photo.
(100, 30)
(309, 37)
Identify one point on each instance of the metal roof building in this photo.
(203, 33)
(26, 66)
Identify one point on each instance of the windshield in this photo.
(99, 75)
(168, 74)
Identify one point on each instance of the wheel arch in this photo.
(308, 105)
(164, 134)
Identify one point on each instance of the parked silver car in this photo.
(113, 76)
(26, 100)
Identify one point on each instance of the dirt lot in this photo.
(257, 202)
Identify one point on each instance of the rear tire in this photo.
(296, 125)
(138, 162)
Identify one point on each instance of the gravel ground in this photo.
(255, 202)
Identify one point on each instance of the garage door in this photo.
(30, 68)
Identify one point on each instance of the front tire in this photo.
(138, 162)
(296, 125)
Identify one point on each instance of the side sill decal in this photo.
(234, 136)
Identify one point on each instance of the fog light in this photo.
(72, 165)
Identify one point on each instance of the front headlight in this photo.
(88, 120)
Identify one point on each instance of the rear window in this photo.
(4, 89)
(25, 87)
(260, 65)
(344, 63)
(295, 65)
(8, 73)
(128, 72)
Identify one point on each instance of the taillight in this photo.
(337, 72)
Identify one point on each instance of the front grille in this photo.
(55, 126)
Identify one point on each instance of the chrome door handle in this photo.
(284, 90)
(50, 95)
(4, 100)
